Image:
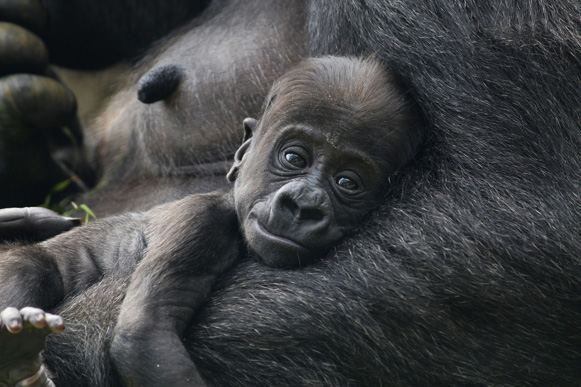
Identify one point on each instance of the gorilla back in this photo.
(471, 275)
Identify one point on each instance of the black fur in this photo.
(471, 275)
(95, 34)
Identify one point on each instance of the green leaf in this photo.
(58, 187)
(88, 212)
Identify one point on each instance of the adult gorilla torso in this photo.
(469, 274)
(229, 56)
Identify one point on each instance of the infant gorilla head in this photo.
(332, 131)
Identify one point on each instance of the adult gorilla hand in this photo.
(35, 151)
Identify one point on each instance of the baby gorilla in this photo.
(332, 133)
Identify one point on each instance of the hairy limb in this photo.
(36, 152)
(41, 275)
(29, 276)
(191, 242)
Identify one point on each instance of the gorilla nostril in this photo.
(289, 204)
(310, 214)
(299, 202)
(298, 211)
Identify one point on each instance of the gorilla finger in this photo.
(11, 319)
(39, 101)
(34, 316)
(55, 322)
(33, 223)
(27, 13)
(21, 50)
(46, 218)
(39, 379)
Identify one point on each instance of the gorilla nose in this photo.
(300, 210)
(302, 202)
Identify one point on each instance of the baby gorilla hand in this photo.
(33, 109)
(22, 337)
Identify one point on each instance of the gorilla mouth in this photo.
(279, 251)
(278, 239)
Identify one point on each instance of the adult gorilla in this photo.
(34, 153)
(470, 274)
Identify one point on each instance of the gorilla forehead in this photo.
(345, 97)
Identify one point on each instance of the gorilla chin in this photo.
(277, 250)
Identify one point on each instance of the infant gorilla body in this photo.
(332, 132)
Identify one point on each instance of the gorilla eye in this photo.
(295, 160)
(347, 183)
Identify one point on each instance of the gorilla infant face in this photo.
(333, 131)
(301, 194)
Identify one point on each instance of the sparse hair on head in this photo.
(357, 96)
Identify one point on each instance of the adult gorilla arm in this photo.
(33, 108)
(470, 274)
(35, 153)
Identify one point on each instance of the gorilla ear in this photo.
(231, 176)
(249, 126)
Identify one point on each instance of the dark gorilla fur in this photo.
(470, 275)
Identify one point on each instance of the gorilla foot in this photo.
(22, 338)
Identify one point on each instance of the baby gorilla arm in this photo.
(41, 275)
(190, 243)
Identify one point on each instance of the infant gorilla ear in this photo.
(334, 129)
